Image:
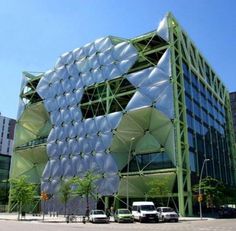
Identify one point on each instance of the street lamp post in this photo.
(127, 175)
(199, 189)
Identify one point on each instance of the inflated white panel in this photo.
(103, 44)
(78, 53)
(106, 138)
(164, 62)
(165, 102)
(102, 124)
(156, 76)
(52, 150)
(90, 126)
(154, 91)
(113, 119)
(138, 101)
(163, 29)
(137, 78)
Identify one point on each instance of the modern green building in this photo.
(138, 112)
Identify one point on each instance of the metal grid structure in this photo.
(118, 108)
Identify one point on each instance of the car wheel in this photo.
(176, 220)
(140, 219)
(118, 220)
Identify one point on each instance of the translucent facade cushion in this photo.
(106, 58)
(137, 78)
(165, 102)
(156, 77)
(21, 108)
(138, 101)
(89, 49)
(102, 124)
(71, 98)
(154, 91)
(74, 146)
(51, 104)
(164, 63)
(103, 44)
(56, 118)
(72, 70)
(99, 146)
(113, 119)
(56, 168)
(163, 29)
(82, 166)
(83, 65)
(93, 62)
(106, 138)
(67, 166)
(61, 101)
(24, 81)
(52, 149)
(111, 71)
(87, 78)
(79, 93)
(66, 85)
(123, 51)
(108, 185)
(54, 185)
(97, 75)
(44, 186)
(78, 53)
(66, 115)
(64, 59)
(106, 163)
(47, 171)
(90, 126)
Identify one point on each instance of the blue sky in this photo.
(33, 34)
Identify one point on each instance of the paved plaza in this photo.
(58, 224)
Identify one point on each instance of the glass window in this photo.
(192, 160)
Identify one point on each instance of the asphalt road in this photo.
(205, 225)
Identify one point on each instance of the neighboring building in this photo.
(233, 109)
(7, 127)
(134, 111)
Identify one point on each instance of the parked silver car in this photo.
(167, 214)
(98, 216)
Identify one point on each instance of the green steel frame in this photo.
(184, 50)
(150, 48)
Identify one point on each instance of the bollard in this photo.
(67, 219)
(84, 220)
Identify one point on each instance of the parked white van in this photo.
(144, 211)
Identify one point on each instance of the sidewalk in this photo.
(62, 219)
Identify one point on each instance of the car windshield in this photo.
(123, 211)
(147, 207)
(166, 210)
(98, 212)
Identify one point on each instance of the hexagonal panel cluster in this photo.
(76, 144)
(87, 95)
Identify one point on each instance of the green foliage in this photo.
(212, 189)
(65, 192)
(21, 192)
(159, 188)
(85, 186)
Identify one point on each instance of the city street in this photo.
(204, 225)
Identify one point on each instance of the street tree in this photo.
(86, 187)
(159, 188)
(213, 191)
(65, 193)
(21, 192)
